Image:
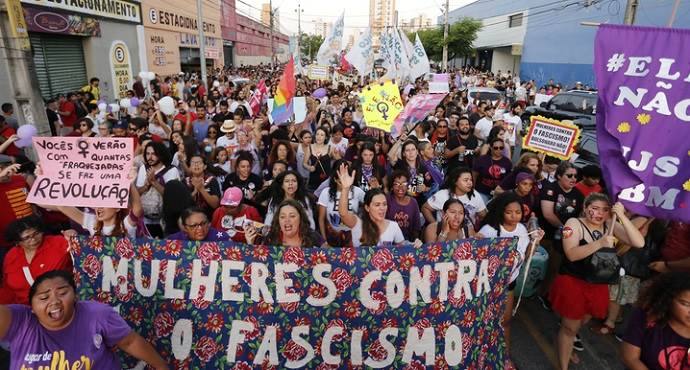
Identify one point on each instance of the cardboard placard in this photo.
(551, 137)
(83, 171)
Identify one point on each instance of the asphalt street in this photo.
(534, 342)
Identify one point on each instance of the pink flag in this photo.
(257, 97)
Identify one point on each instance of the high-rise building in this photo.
(322, 28)
(382, 14)
(266, 16)
(420, 22)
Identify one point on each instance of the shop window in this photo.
(515, 20)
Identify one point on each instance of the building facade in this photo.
(73, 41)
(171, 35)
(420, 22)
(382, 14)
(247, 41)
(546, 41)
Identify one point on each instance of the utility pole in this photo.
(299, 32)
(18, 64)
(630, 12)
(672, 18)
(270, 13)
(445, 39)
(202, 41)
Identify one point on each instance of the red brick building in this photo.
(246, 41)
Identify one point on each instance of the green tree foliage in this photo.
(309, 45)
(461, 35)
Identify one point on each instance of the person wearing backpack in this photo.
(150, 183)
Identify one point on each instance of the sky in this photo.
(356, 14)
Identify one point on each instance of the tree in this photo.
(461, 35)
(309, 45)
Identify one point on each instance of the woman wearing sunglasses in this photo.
(489, 170)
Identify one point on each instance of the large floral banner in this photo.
(230, 306)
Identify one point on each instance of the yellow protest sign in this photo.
(381, 105)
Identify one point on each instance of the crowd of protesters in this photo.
(218, 169)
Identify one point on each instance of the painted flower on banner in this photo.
(144, 252)
(463, 251)
(96, 244)
(92, 266)
(163, 324)
(406, 261)
(383, 260)
(208, 252)
(260, 252)
(206, 348)
(293, 352)
(415, 365)
(294, 255)
(348, 256)
(233, 254)
(341, 279)
(242, 365)
(173, 247)
(380, 300)
(124, 248)
(214, 322)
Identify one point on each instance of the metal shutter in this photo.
(59, 61)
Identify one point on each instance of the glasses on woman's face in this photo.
(399, 184)
(570, 175)
(197, 226)
(83, 125)
(498, 147)
(33, 236)
(442, 126)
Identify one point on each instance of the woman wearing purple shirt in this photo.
(195, 226)
(58, 331)
(658, 334)
(402, 208)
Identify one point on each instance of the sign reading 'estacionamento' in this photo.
(83, 171)
(230, 306)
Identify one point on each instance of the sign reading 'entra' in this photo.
(83, 171)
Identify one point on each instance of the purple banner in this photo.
(643, 118)
(45, 20)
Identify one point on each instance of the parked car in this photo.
(587, 150)
(579, 106)
(483, 94)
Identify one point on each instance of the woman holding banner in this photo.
(580, 290)
(59, 329)
(290, 228)
(504, 221)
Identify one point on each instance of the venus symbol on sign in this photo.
(83, 145)
(382, 107)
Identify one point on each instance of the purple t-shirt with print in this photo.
(406, 216)
(86, 343)
(662, 348)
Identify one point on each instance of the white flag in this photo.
(332, 44)
(402, 63)
(419, 62)
(386, 53)
(409, 48)
(361, 55)
(294, 49)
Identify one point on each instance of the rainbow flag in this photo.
(282, 101)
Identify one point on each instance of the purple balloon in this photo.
(25, 133)
(22, 143)
(319, 93)
(134, 101)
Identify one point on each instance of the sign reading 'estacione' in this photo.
(117, 9)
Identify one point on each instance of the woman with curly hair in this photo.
(290, 228)
(658, 334)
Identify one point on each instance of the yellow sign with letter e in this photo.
(381, 105)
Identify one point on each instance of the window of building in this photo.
(515, 20)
